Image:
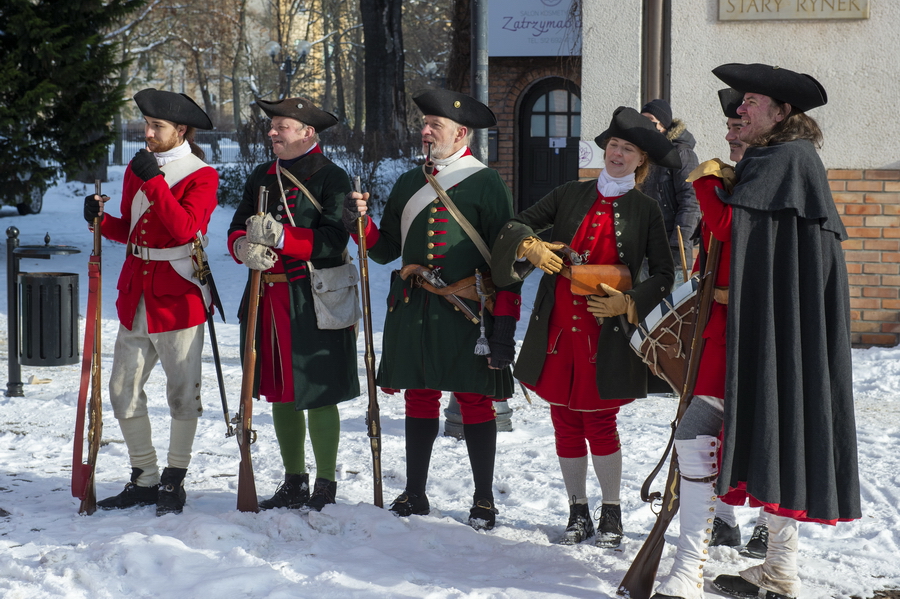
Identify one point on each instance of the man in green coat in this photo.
(440, 223)
(301, 366)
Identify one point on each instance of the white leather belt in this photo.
(166, 254)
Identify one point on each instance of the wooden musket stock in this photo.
(373, 413)
(247, 500)
(83, 472)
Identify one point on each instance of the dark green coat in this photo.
(640, 232)
(427, 343)
(324, 361)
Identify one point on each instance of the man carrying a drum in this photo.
(725, 530)
(789, 440)
(583, 368)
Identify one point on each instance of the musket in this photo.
(247, 500)
(204, 275)
(83, 472)
(373, 413)
(638, 581)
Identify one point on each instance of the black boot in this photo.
(481, 445)
(722, 534)
(171, 497)
(738, 587)
(483, 514)
(293, 493)
(420, 436)
(132, 495)
(410, 504)
(758, 545)
(609, 526)
(323, 493)
(580, 526)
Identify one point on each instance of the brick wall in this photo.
(869, 204)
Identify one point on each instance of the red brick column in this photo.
(869, 204)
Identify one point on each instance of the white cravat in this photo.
(611, 187)
(440, 163)
(163, 158)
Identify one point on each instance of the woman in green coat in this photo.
(576, 353)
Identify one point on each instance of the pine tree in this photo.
(57, 89)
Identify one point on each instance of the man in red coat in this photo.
(168, 195)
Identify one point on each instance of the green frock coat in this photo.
(324, 361)
(427, 343)
(640, 232)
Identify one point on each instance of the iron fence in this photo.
(221, 147)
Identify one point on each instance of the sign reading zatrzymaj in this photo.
(792, 10)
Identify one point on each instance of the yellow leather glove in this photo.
(540, 253)
(615, 304)
(716, 168)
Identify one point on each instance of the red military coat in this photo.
(715, 222)
(569, 375)
(174, 217)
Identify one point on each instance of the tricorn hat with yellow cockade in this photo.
(463, 109)
(301, 109)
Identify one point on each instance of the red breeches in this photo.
(426, 403)
(575, 431)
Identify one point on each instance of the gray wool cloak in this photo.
(790, 432)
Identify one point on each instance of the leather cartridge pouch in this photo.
(586, 278)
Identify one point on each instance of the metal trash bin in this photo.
(49, 318)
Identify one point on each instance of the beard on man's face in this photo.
(158, 146)
(439, 151)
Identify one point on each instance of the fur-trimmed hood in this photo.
(679, 135)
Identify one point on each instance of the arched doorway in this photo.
(549, 132)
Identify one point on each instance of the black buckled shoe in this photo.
(609, 526)
(580, 526)
(723, 534)
(324, 492)
(293, 493)
(410, 504)
(171, 496)
(743, 589)
(132, 495)
(483, 514)
(758, 545)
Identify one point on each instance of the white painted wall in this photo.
(858, 63)
(611, 61)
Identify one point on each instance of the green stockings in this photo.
(324, 433)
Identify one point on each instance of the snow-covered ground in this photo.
(354, 549)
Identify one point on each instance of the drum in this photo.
(663, 338)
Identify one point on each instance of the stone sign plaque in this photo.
(792, 10)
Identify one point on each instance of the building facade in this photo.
(846, 44)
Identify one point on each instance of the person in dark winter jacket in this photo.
(669, 186)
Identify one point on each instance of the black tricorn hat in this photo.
(463, 109)
(799, 90)
(301, 109)
(730, 99)
(632, 126)
(169, 106)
